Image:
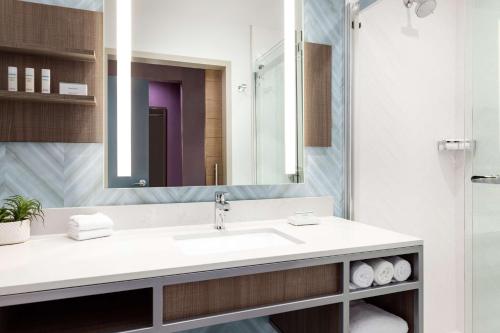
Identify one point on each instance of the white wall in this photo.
(407, 84)
(218, 30)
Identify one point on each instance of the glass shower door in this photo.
(484, 51)
(270, 118)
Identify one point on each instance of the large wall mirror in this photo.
(202, 93)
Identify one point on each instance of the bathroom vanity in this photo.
(173, 279)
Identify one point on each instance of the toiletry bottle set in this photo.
(29, 74)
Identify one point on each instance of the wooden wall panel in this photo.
(317, 95)
(187, 300)
(214, 138)
(27, 25)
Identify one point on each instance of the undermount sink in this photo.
(233, 241)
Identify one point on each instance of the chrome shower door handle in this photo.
(493, 179)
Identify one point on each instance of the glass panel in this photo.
(485, 46)
(269, 117)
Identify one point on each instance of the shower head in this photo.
(423, 8)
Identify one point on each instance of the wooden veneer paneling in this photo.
(317, 95)
(59, 31)
(214, 138)
(216, 296)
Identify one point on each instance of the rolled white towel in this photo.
(90, 222)
(402, 268)
(367, 318)
(383, 271)
(352, 286)
(89, 234)
(362, 275)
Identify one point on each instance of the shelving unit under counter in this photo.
(303, 296)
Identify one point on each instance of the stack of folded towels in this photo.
(83, 227)
(367, 318)
(379, 272)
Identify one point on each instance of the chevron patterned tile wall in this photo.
(95, 5)
(72, 174)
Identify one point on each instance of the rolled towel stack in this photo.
(383, 271)
(367, 318)
(402, 268)
(362, 275)
(83, 227)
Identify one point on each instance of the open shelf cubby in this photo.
(411, 283)
(104, 313)
(402, 304)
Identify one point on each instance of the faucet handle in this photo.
(220, 197)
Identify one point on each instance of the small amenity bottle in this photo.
(29, 74)
(12, 77)
(45, 81)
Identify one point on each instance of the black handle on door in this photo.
(493, 179)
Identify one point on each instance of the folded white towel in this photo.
(367, 318)
(402, 268)
(383, 271)
(89, 234)
(90, 222)
(362, 275)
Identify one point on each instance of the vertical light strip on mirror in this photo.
(124, 83)
(290, 89)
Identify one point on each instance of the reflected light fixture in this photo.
(124, 84)
(290, 103)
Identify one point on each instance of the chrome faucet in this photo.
(221, 206)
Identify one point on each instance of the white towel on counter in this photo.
(89, 234)
(383, 271)
(362, 275)
(367, 318)
(90, 222)
(402, 268)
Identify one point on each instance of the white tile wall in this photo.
(406, 88)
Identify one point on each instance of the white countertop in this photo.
(55, 261)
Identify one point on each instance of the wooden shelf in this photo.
(77, 55)
(47, 98)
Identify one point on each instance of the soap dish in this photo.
(303, 218)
